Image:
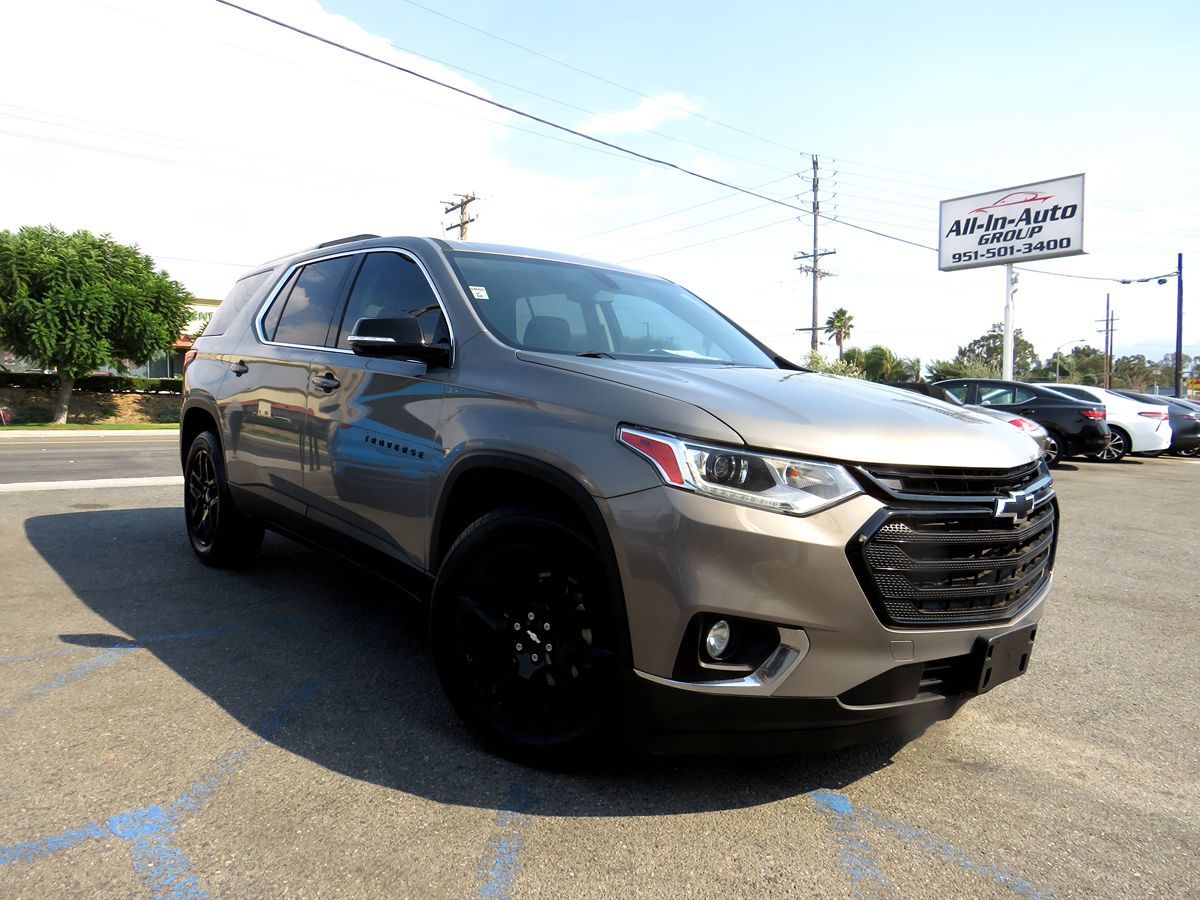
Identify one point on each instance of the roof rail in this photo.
(346, 240)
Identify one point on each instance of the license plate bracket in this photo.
(1002, 657)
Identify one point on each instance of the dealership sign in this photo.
(1017, 224)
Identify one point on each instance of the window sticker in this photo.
(479, 293)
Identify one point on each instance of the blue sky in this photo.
(235, 142)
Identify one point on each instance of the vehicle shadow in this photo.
(302, 626)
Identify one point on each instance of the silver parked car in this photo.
(631, 520)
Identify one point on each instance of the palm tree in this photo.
(838, 326)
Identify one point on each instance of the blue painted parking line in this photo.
(857, 857)
(160, 865)
(500, 864)
(864, 872)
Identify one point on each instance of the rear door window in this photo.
(1003, 395)
(958, 392)
(308, 306)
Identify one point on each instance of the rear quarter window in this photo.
(245, 289)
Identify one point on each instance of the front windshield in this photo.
(538, 304)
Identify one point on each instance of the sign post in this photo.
(1042, 220)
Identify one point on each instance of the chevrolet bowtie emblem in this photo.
(1016, 506)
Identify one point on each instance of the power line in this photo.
(601, 78)
(551, 124)
(583, 109)
(709, 241)
(678, 212)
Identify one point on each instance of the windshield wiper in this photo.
(596, 354)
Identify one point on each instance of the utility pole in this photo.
(1010, 288)
(464, 200)
(814, 268)
(1179, 328)
(1108, 330)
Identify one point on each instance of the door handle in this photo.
(239, 368)
(326, 382)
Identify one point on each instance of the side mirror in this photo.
(400, 337)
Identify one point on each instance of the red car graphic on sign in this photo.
(1015, 199)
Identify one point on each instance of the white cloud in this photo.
(649, 114)
(213, 139)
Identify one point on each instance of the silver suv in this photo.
(631, 520)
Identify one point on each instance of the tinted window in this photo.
(391, 285)
(958, 392)
(271, 319)
(1003, 395)
(235, 302)
(308, 307)
(1074, 393)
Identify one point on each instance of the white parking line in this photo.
(155, 481)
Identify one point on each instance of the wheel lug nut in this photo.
(531, 617)
(518, 648)
(516, 626)
(546, 626)
(534, 657)
(549, 647)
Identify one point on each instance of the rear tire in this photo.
(1152, 453)
(1056, 449)
(220, 536)
(525, 637)
(1116, 449)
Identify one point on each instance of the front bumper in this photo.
(667, 720)
(682, 555)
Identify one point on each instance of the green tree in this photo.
(989, 348)
(960, 367)
(879, 363)
(75, 302)
(1132, 372)
(838, 326)
(846, 367)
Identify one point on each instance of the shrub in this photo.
(34, 413)
(109, 384)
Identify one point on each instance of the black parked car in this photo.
(1185, 422)
(1075, 427)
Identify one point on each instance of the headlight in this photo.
(783, 484)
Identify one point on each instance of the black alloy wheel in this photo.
(218, 533)
(525, 640)
(1192, 451)
(203, 500)
(1116, 449)
(1056, 448)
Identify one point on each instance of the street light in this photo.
(1162, 279)
(1056, 356)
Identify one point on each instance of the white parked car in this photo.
(1136, 427)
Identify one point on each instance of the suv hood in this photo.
(820, 415)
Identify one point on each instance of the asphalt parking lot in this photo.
(166, 730)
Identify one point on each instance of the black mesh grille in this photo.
(944, 568)
(918, 481)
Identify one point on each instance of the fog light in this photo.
(717, 640)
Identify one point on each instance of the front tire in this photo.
(1116, 449)
(220, 536)
(525, 639)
